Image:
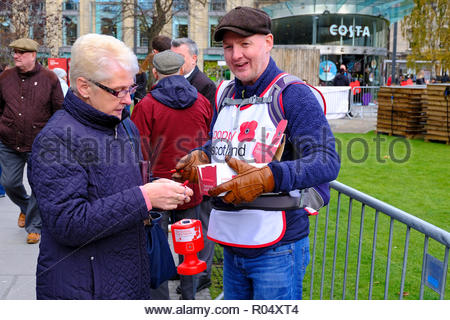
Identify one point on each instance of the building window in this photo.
(217, 5)
(213, 22)
(180, 27)
(70, 21)
(181, 6)
(70, 5)
(108, 18)
(142, 36)
(70, 30)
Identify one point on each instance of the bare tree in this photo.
(30, 18)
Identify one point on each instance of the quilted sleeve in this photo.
(61, 186)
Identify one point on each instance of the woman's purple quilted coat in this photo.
(86, 178)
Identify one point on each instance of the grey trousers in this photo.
(13, 164)
(200, 212)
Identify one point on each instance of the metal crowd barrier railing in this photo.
(363, 100)
(372, 256)
(433, 272)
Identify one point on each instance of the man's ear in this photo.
(155, 73)
(269, 41)
(83, 87)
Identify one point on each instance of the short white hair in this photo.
(61, 73)
(96, 57)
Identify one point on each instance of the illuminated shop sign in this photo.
(350, 31)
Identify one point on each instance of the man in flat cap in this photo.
(29, 95)
(173, 118)
(266, 246)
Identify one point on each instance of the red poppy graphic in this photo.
(247, 131)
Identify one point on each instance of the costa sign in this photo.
(350, 31)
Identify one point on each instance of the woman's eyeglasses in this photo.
(118, 94)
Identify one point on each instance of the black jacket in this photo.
(203, 84)
(341, 80)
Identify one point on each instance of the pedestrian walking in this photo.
(29, 95)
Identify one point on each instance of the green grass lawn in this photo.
(411, 175)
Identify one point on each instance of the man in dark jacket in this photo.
(29, 95)
(189, 50)
(172, 120)
(341, 78)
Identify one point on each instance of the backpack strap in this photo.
(224, 90)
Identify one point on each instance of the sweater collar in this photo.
(36, 69)
(88, 115)
(260, 85)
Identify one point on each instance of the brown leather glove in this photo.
(187, 166)
(247, 185)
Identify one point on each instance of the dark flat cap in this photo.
(24, 44)
(168, 62)
(245, 21)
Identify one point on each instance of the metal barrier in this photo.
(363, 100)
(357, 255)
(433, 271)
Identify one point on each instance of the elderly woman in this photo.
(85, 173)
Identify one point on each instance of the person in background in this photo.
(266, 252)
(62, 76)
(189, 50)
(85, 172)
(3, 67)
(29, 95)
(420, 79)
(160, 43)
(141, 82)
(341, 78)
(172, 119)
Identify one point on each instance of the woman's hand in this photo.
(167, 195)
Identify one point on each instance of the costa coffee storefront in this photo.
(359, 41)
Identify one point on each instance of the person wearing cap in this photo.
(29, 95)
(189, 50)
(174, 118)
(84, 169)
(266, 248)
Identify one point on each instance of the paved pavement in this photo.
(18, 259)
(356, 125)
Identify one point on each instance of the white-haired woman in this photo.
(62, 77)
(85, 173)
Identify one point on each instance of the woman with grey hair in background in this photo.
(85, 173)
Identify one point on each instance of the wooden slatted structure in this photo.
(436, 104)
(400, 111)
(299, 61)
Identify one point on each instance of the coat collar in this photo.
(88, 115)
(36, 69)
